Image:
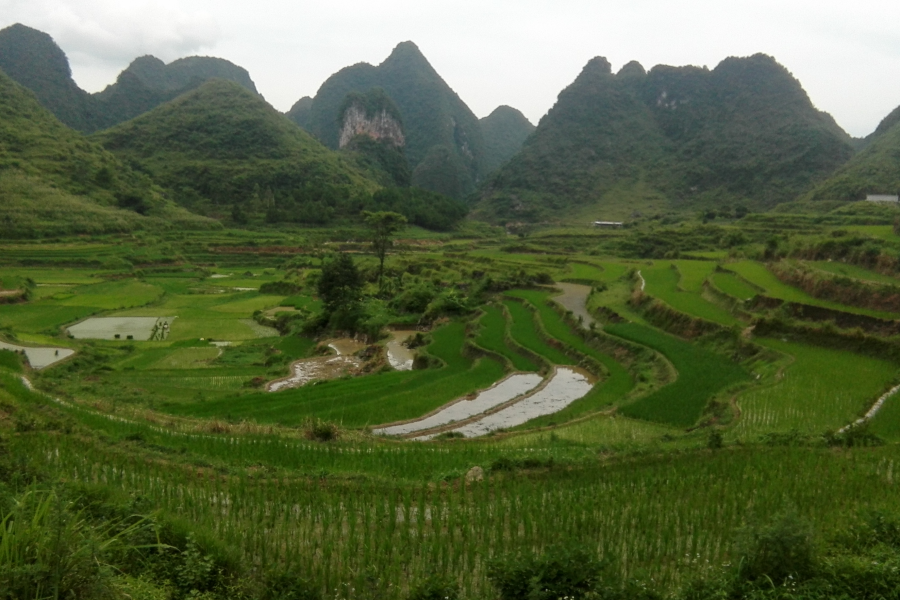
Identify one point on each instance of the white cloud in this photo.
(115, 31)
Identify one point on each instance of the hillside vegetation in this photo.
(504, 130)
(875, 170)
(54, 181)
(222, 146)
(444, 143)
(35, 61)
(742, 134)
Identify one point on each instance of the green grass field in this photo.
(821, 389)
(701, 375)
(492, 336)
(853, 272)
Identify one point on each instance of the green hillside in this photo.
(504, 130)
(31, 58)
(444, 144)
(222, 145)
(148, 82)
(744, 133)
(875, 170)
(54, 181)
(300, 111)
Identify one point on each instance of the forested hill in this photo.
(149, 82)
(744, 133)
(504, 130)
(444, 144)
(35, 61)
(31, 58)
(875, 170)
(222, 145)
(54, 181)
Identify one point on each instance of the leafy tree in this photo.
(384, 225)
(340, 289)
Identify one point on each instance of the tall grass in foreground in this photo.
(660, 516)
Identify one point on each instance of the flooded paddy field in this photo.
(565, 386)
(39, 358)
(122, 328)
(509, 389)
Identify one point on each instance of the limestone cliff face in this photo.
(379, 126)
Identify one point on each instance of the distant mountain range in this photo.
(34, 60)
(744, 133)
(614, 146)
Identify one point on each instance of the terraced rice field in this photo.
(525, 332)
(617, 383)
(734, 286)
(663, 283)
(701, 375)
(757, 274)
(371, 400)
(492, 336)
(465, 408)
(823, 389)
(565, 386)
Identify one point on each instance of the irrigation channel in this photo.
(40, 358)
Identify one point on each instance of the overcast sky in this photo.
(491, 52)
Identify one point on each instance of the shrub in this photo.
(782, 551)
(435, 587)
(321, 431)
(561, 572)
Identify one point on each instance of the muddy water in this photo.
(565, 387)
(574, 298)
(322, 367)
(504, 391)
(399, 356)
(39, 358)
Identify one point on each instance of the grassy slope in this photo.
(54, 181)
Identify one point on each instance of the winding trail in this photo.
(643, 281)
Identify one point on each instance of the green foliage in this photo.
(420, 207)
(782, 550)
(54, 181)
(340, 289)
(435, 587)
(10, 361)
(562, 572)
(383, 226)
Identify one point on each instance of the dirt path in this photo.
(322, 367)
(643, 281)
(574, 298)
(872, 411)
